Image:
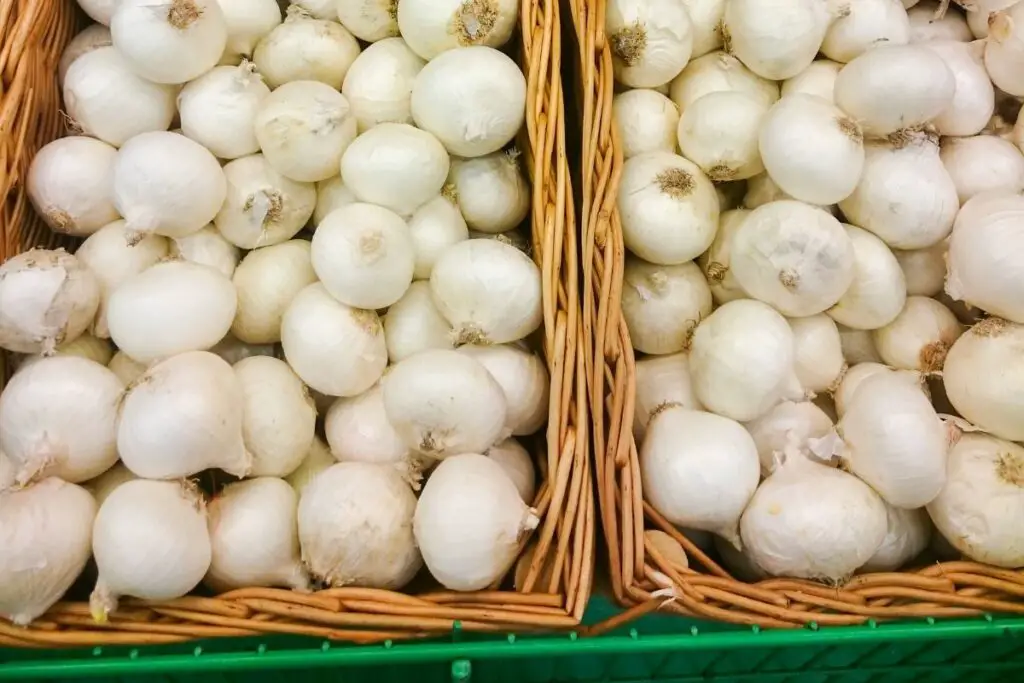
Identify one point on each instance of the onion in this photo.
(786, 431)
(70, 184)
(99, 10)
(878, 291)
(952, 25)
(47, 534)
(166, 184)
(646, 121)
(524, 380)
(105, 99)
(263, 207)
(321, 9)
(489, 291)
(317, 460)
(706, 21)
(170, 308)
(776, 39)
(396, 166)
(247, 21)
(1004, 50)
(356, 527)
(335, 349)
(88, 39)
(905, 195)
(818, 79)
(473, 99)
(331, 194)
(811, 150)
(919, 337)
(813, 522)
(699, 470)
(304, 48)
(492, 193)
(125, 368)
(980, 508)
(206, 247)
(173, 41)
(379, 83)
(232, 350)
(218, 110)
(983, 163)
(858, 346)
(357, 429)
(414, 324)
(735, 378)
(719, 132)
(517, 464)
(855, 376)
(267, 280)
(303, 128)
(58, 417)
(485, 521)
(662, 305)
(150, 541)
(974, 101)
(47, 298)
(661, 381)
(84, 346)
(907, 535)
(668, 208)
(102, 486)
(370, 20)
(254, 536)
(196, 390)
(715, 261)
(793, 256)
(818, 353)
(715, 72)
(924, 269)
(435, 26)
(651, 40)
(861, 25)
(435, 226)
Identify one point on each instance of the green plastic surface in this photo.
(658, 648)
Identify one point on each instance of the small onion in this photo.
(379, 83)
(776, 39)
(787, 431)
(878, 291)
(435, 26)
(1004, 49)
(357, 429)
(218, 109)
(267, 280)
(88, 39)
(662, 305)
(491, 191)
(818, 79)
(206, 247)
(646, 121)
(304, 48)
(263, 207)
(924, 269)
(862, 24)
(436, 225)
(920, 336)
(247, 22)
(414, 324)
(661, 381)
(716, 260)
(70, 184)
(524, 380)
(983, 163)
(719, 133)
(715, 72)
(331, 194)
(651, 40)
(818, 353)
(924, 26)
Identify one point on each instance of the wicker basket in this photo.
(643, 579)
(32, 35)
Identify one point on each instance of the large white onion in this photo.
(357, 428)
(924, 26)
(719, 133)
(379, 83)
(974, 99)
(651, 40)
(435, 26)
(491, 191)
(646, 121)
(861, 24)
(524, 380)
(263, 207)
(88, 39)
(983, 163)
(776, 39)
(304, 48)
(920, 336)
(70, 184)
(818, 353)
(218, 109)
(267, 280)
(715, 72)
(662, 305)
(331, 194)
(878, 291)
(369, 20)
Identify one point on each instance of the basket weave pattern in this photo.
(32, 35)
(642, 579)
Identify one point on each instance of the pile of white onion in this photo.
(818, 200)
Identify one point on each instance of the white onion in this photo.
(786, 431)
(414, 324)
(852, 380)
(924, 269)
(254, 536)
(715, 261)
(981, 12)
(335, 349)
(715, 72)
(88, 39)
(443, 403)
(172, 41)
(818, 79)
(167, 184)
(232, 350)
(435, 26)
(125, 368)
(894, 440)
(183, 416)
(980, 271)
(878, 291)
(473, 99)
(813, 522)
(303, 128)
(907, 535)
(396, 166)
(735, 378)
(489, 291)
(983, 163)
(304, 48)
(379, 83)
(218, 110)
(491, 191)
(70, 184)
(1004, 49)
(331, 194)
(84, 346)
(267, 280)
(811, 150)
(317, 460)
(818, 353)
(793, 256)
(247, 21)
(102, 486)
(662, 305)
(905, 195)
(951, 26)
(433, 227)
(651, 40)
(470, 533)
(47, 536)
(895, 87)
(668, 208)
(919, 337)
(170, 308)
(719, 133)
(980, 508)
(524, 380)
(105, 99)
(706, 21)
(206, 247)
(278, 416)
(518, 465)
(661, 381)
(974, 100)
(356, 527)
(858, 346)
(776, 39)
(150, 541)
(646, 121)
(357, 429)
(321, 9)
(58, 417)
(47, 298)
(862, 24)
(699, 470)
(761, 189)
(263, 207)
(370, 20)
(99, 10)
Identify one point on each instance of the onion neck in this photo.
(101, 602)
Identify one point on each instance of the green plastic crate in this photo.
(658, 648)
